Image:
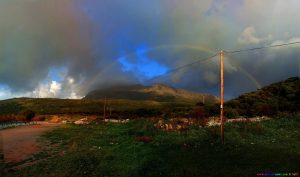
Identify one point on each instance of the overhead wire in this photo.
(202, 60)
(262, 47)
(226, 51)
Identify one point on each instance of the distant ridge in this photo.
(157, 92)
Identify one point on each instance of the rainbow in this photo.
(99, 75)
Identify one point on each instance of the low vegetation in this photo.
(138, 148)
(119, 108)
(160, 139)
(23, 116)
(277, 98)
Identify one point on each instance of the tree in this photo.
(264, 110)
(28, 115)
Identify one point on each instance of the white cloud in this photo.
(49, 89)
(66, 88)
(55, 87)
(73, 95)
(249, 36)
(70, 80)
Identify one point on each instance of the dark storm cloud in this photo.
(36, 35)
(89, 38)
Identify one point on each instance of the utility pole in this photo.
(104, 108)
(222, 94)
(109, 110)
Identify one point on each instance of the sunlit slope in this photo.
(81, 106)
(159, 93)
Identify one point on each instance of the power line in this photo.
(263, 47)
(190, 64)
(186, 65)
(222, 74)
(216, 54)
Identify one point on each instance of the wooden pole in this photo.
(109, 111)
(109, 108)
(222, 94)
(104, 108)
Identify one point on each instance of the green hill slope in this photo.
(279, 97)
(134, 100)
(82, 106)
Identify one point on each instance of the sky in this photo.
(66, 48)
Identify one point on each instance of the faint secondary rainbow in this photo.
(99, 75)
(246, 73)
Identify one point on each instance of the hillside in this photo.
(125, 101)
(119, 107)
(160, 93)
(279, 97)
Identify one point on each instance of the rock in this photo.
(81, 121)
(55, 119)
(116, 120)
(178, 127)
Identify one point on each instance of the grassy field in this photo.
(113, 150)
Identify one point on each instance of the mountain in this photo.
(276, 98)
(156, 92)
(123, 101)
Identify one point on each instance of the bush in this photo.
(6, 118)
(142, 112)
(198, 112)
(28, 115)
(39, 118)
(212, 110)
(231, 113)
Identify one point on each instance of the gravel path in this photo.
(20, 143)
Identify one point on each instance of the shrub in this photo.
(264, 110)
(142, 112)
(20, 118)
(203, 122)
(7, 118)
(200, 104)
(231, 113)
(198, 112)
(28, 115)
(212, 110)
(39, 118)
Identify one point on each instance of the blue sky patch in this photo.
(142, 66)
(57, 73)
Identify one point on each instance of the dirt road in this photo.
(20, 143)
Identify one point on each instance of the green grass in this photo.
(111, 150)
